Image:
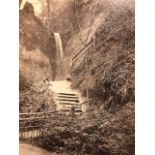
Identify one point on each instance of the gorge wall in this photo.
(37, 41)
(110, 65)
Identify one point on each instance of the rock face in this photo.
(109, 64)
(37, 44)
(37, 48)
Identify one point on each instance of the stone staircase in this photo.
(66, 99)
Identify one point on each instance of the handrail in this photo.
(82, 49)
(35, 118)
(36, 113)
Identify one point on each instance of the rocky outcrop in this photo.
(37, 48)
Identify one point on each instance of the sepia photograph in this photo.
(76, 77)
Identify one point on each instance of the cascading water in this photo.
(59, 47)
(60, 54)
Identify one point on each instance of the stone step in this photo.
(71, 97)
(68, 103)
(68, 110)
(67, 94)
(70, 106)
(68, 100)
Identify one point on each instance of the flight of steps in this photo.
(66, 98)
(67, 102)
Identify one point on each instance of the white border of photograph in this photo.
(9, 77)
(145, 77)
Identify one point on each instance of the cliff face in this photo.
(37, 49)
(109, 64)
(37, 45)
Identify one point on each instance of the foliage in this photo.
(36, 98)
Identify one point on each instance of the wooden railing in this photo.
(93, 45)
(80, 55)
(33, 125)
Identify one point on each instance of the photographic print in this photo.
(76, 77)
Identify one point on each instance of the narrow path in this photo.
(25, 149)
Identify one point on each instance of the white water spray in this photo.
(59, 47)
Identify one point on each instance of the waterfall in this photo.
(59, 47)
(59, 50)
